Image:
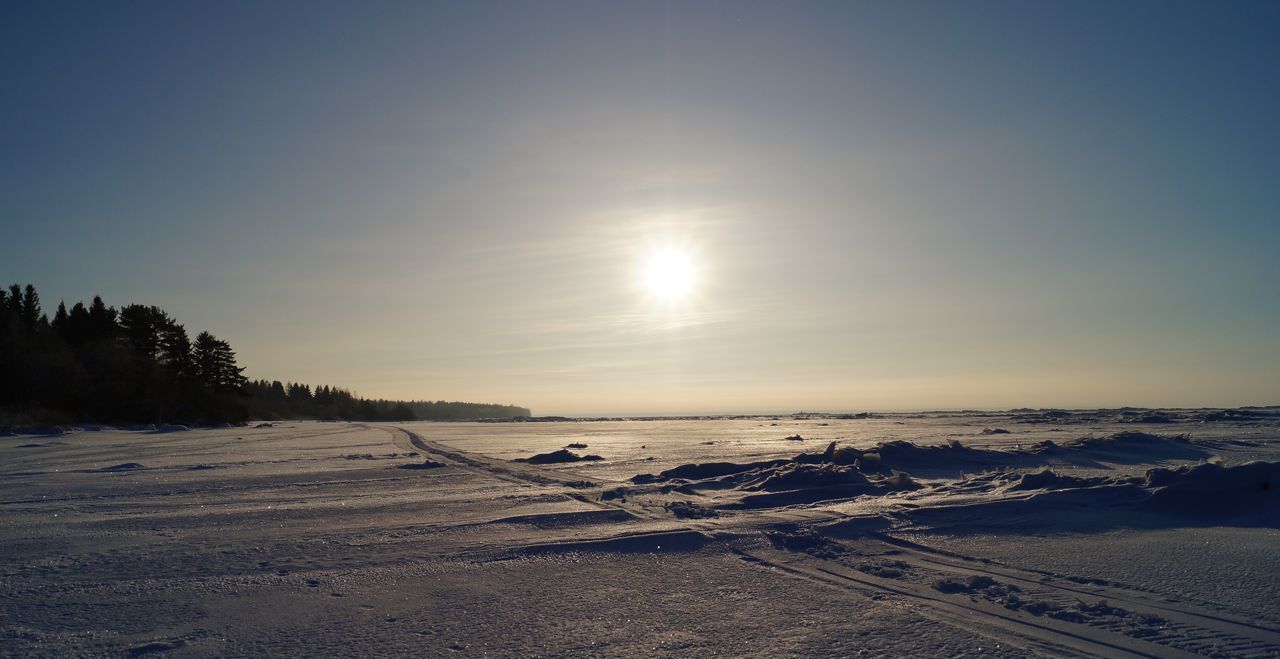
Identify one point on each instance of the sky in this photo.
(869, 206)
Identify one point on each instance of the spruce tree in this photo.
(215, 364)
(204, 359)
(59, 323)
(76, 331)
(30, 306)
(102, 320)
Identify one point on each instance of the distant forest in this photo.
(277, 400)
(137, 364)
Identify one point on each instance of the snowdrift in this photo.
(1215, 489)
(948, 460)
(1205, 494)
(558, 457)
(1002, 476)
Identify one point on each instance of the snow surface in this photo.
(1109, 533)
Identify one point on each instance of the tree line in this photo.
(295, 400)
(137, 364)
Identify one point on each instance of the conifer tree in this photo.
(30, 306)
(102, 320)
(175, 349)
(76, 331)
(59, 318)
(215, 364)
(141, 326)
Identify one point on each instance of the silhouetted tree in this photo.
(102, 321)
(76, 329)
(175, 349)
(215, 364)
(59, 318)
(141, 326)
(30, 306)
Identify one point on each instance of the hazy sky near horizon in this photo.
(884, 205)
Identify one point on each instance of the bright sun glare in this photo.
(669, 274)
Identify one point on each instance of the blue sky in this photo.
(890, 205)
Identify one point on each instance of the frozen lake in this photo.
(1109, 534)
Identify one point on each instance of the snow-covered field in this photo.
(1109, 533)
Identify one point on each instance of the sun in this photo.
(669, 273)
